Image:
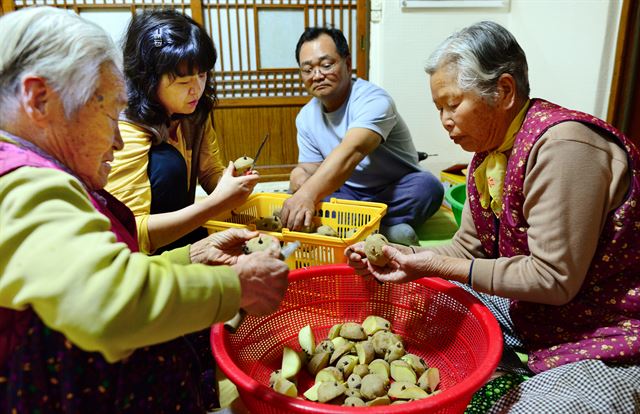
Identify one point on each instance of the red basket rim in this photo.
(220, 349)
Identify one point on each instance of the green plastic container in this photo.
(456, 196)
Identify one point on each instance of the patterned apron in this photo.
(602, 321)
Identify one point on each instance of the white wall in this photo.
(570, 47)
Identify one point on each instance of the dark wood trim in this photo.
(262, 102)
(624, 100)
(362, 48)
(7, 6)
(196, 12)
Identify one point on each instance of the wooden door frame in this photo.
(624, 99)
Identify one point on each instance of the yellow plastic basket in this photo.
(315, 249)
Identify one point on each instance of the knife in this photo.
(255, 159)
(232, 324)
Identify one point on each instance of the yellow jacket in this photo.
(129, 182)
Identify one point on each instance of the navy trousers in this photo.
(412, 199)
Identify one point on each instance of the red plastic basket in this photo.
(437, 320)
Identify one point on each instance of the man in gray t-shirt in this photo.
(354, 145)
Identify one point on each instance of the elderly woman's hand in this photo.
(357, 258)
(404, 265)
(263, 281)
(221, 248)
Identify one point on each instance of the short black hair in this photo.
(159, 42)
(312, 33)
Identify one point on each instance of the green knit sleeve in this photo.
(60, 258)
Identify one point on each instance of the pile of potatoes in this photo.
(357, 365)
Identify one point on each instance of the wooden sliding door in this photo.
(258, 83)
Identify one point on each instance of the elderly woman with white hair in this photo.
(88, 324)
(549, 236)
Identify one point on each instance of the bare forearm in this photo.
(427, 263)
(331, 174)
(300, 174)
(168, 227)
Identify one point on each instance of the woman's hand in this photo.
(234, 191)
(222, 248)
(403, 265)
(357, 258)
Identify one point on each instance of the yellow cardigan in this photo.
(129, 182)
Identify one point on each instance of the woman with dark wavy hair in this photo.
(169, 140)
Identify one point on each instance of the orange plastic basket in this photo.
(437, 320)
(315, 249)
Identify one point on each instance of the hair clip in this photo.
(157, 38)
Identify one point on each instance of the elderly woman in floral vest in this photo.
(550, 234)
(87, 323)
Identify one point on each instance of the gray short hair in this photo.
(58, 45)
(480, 54)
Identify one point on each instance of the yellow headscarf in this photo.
(489, 176)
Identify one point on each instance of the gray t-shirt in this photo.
(368, 106)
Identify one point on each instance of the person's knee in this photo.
(432, 194)
(433, 187)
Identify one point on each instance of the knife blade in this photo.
(255, 159)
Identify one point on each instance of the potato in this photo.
(327, 391)
(286, 387)
(307, 340)
(257, 244)
(401, 371)
(361, 369)
(373, 249)
(242, 164)
(325, 346)
(269, 223)
(350, 233)
(352, 330)
(291, 363)
(429, 380)
(373, 386)
(365, 352)
(354, 381)
(353, 402)
(373, 324)
(326, 230)
(329, 374)
(417, 363)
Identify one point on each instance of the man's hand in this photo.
(263, 280)
(297, 211)
(221, 248)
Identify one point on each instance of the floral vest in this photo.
(41, 371)
(603, 319)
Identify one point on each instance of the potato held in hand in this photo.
(373, 249)
(242, 164)
(257, 244)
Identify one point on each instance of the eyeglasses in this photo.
(324, 69)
